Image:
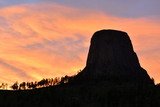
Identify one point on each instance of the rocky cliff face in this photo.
(111, 56)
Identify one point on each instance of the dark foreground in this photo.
(87, 95)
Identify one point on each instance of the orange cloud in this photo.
(48, 40)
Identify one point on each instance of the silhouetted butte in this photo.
(111, 57)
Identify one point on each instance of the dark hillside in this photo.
(97, 95)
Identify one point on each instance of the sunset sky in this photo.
(48, 38)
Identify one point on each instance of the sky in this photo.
(50, 38)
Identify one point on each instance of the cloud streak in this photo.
(47, 40)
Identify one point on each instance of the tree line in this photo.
(39, 84)
(3, 86)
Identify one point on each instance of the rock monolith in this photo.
(111, 57)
